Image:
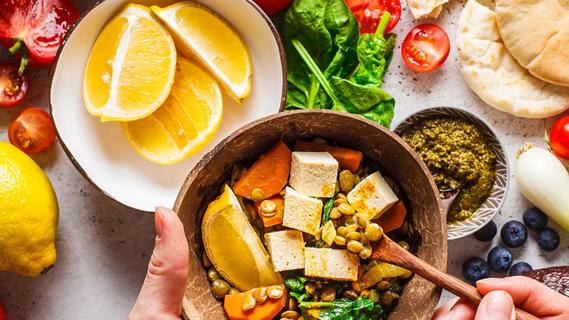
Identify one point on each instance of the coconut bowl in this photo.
(399, 161)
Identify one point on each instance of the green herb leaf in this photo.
(326, 211)
(343, 309)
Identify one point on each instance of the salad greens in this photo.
(343, 309)
(326, 211)
(330, 66)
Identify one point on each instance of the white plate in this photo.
(101, 152)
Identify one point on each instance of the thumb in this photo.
(163, 289)
(496, 305)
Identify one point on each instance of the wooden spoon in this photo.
(386, 250)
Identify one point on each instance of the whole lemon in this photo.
(28, 214)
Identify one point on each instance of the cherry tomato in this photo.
(272, 7)
(369, 12)
(425, 48)
(2, 312)
(33, 131)
(559, 137)
(13, 86)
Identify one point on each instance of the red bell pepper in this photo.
(34, 29)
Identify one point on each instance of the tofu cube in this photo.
(314, 173)
(372, 196)
(333, 264)
(301, 212)
(286, 249)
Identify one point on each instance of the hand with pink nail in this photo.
(161, 295)
(500, 297)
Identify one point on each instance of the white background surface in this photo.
(103, 248)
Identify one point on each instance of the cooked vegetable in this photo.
(329, 233)
(348, 158)
(559, 137)
(327, 210)
(544, 181)
(274, 218)
(393, 218)
(343, 309)
(425, 48)
(323, 35)
(382, 271)
(234, 305)
(369, 12)
(269, 173)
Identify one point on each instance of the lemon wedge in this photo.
(234, 247)
(185, 123)
(201, 33)
(131, 67)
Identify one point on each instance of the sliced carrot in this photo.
(278, 217)
(267, 311)
(269, 173)
(393, 218)
(348, 158)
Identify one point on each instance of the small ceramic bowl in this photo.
(101, 152)
(494, 203)
(419, 297)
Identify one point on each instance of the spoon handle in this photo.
(403, 258)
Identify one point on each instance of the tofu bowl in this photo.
(280, 218)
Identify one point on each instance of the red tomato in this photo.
(559, 137)
(272, 7)
(425, 48)
(369, 12)
(2, 312)
(33, 131)
(13, 86)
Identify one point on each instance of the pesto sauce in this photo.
(459, 158)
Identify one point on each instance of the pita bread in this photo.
(426, 8)
(493, 74)
(536, 32)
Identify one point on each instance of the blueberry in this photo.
(500, 258)
(514, 233)
(548, 239)
(518, 268)
(487, 233)
(535, 219)
(475, 269)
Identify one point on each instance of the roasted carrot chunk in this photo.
(233, 305)
(393, 218)
(269, 173)
(348, 158)
(277, 218)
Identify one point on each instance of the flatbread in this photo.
(495, 76)
(426, 8)
(536, 32)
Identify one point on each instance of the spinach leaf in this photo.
(295, 288)
(326, 211)
(360, 94)
(343, 309)
(329, 32)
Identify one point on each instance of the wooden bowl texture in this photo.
(419, 298)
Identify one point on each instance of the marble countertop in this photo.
(103, 248)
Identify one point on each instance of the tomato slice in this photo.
(369, 12)
(272, 7)
(559, 137)
(33, 131)
(425, 48)
(13, 86)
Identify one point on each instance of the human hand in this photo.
(161, 295)
(500, 296)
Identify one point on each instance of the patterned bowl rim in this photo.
(496, 200)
